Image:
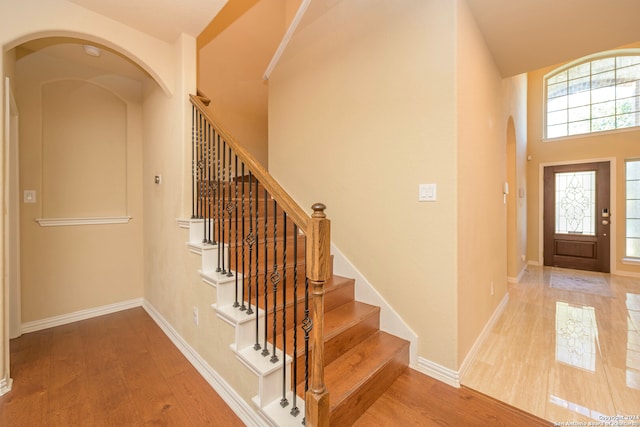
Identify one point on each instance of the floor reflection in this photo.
(561, 351)
(633, 341)
(576, 335)
(578, 409)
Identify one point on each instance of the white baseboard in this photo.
(483, 336)
(625, 273)
(533, 263)
(390, 320)
(38, 325)
(519, 277)
(5, 385)
(439, 372)
(238, 405)
(449, 376)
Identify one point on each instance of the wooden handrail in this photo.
(204, 98)
(286, 202)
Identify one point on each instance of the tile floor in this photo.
(565, 350)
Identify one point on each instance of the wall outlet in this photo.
(491, 288)
(195, 316)
(523, 257)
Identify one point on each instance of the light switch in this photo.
(29, 196)
(427, 193)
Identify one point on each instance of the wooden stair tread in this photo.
(358, 377)
(336, 321)
(334, 283)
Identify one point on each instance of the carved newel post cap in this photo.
(318, 210)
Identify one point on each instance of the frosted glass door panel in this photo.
(575, 203)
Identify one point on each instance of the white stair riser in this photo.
(270, 375)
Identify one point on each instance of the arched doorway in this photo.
(115, 74)
(512, 202)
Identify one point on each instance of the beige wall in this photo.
(233, 54)
(481, 169)
(361, 111)
(617, 146)
(491, 121)
(364, 106)
(172, 283)
(80, 166)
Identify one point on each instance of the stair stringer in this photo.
(390, 320)
(271, 376)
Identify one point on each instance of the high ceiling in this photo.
(525, 35)
(164, 19)
(522, 35)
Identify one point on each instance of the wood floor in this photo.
(121, 370)
(114, 370)
(418, 400)
(566, 348)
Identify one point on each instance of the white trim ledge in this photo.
(630, 261)
(58, 222)
(287, 37)
(184, 222)
(5, 385)
(51, 322)
(241, 408)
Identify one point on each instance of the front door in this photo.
(577, 217)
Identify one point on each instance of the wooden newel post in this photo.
(318, 269)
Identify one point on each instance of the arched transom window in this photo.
(596, 95)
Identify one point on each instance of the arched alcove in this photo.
(93, 40)
(169, 69)
(81, 143)
(84, 150)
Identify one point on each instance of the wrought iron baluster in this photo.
(223, 207)
(256, 346)
(275, 278)
(244, 275)
(236, 303)
(200, 167)
(213, 184)
(230, 210)
(265, 351)
(250, 240)
(295, 410)
(204, 179)
(307, 325)
(219, 210)
(284, 402)
(193, 161)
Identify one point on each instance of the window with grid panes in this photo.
(602, 94)
(633, 208)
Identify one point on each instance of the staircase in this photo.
(284, 302)
(361, 361)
